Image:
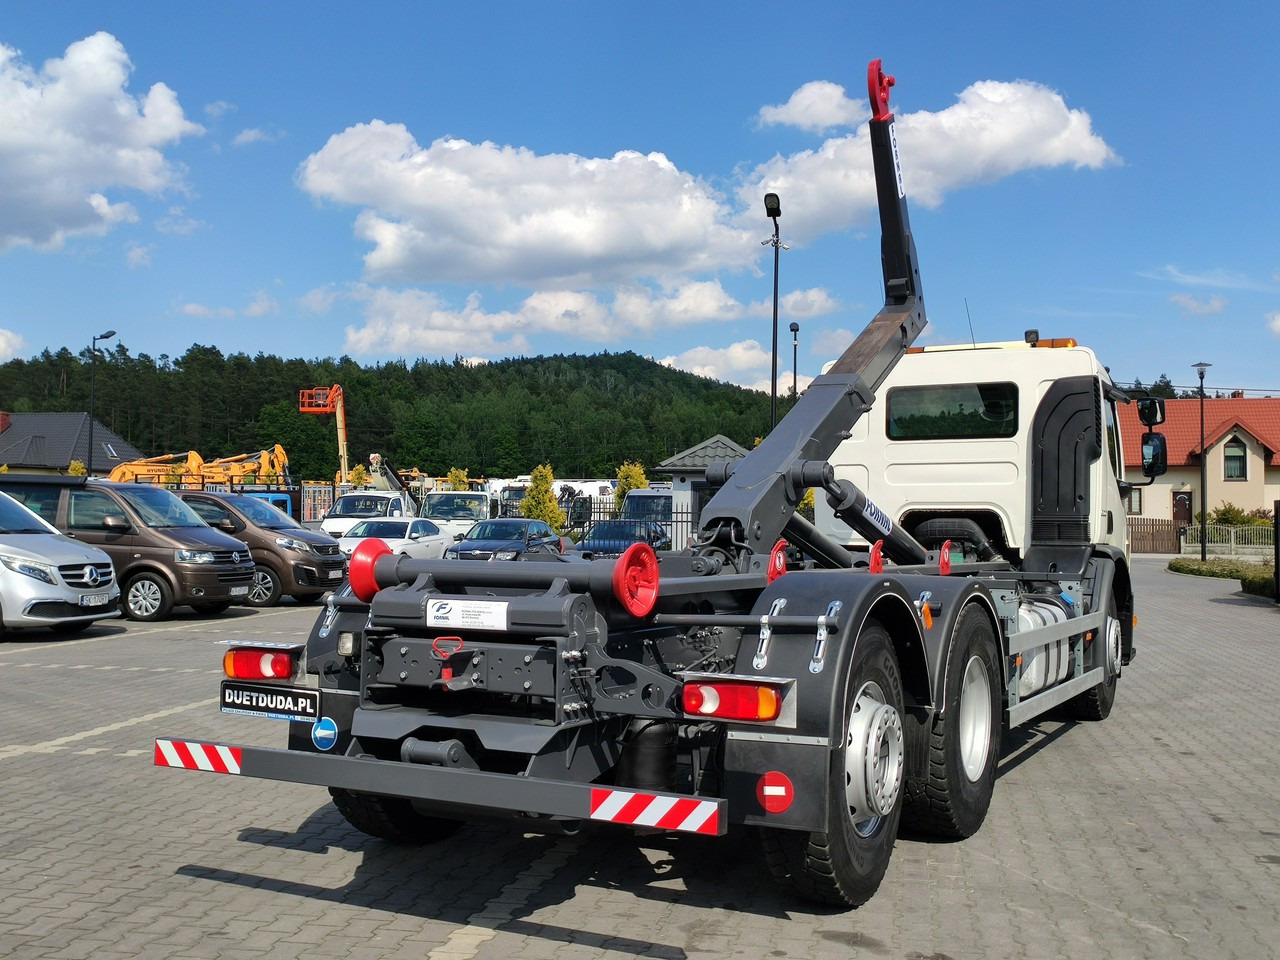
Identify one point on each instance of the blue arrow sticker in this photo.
(324, 733)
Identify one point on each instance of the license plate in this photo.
(239, 591)
(335, 574)
(95, 600)
(265, 700)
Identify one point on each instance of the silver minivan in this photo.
(49, 580)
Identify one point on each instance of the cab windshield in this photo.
(263, 514)
(160, 508)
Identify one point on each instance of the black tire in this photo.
(844, 866)
(390, 818)
(1095, 704)
(212, 607)
(964, 744)
(147, 597)
(265, 590)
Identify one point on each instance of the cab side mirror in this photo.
(115, 523)
(1151, 412)
(1155, 456)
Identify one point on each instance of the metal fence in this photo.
(1226, 541)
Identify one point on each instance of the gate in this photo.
(1150, 535)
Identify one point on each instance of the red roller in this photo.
(360, 571)
(635, 580)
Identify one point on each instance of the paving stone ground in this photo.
(1154, 834)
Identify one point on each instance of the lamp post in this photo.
(773, 210)
(1200, 368)
(795, 343)
(93, 365)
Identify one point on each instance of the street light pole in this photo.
(795, 343)
(93, 366)
(773, 210)
(1204, 471)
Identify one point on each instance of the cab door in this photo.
(86, 520)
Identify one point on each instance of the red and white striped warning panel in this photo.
(193, 755)
(649, 810)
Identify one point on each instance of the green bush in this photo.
(1255, 578)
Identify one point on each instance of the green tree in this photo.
(630, 477)
(540, 502)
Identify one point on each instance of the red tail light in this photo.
(733, 700)
(248, 663)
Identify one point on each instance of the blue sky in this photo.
(402, 180)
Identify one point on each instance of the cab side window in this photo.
(86, 509)
(39, 500)
(210, 513)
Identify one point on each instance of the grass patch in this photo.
(1258, 579)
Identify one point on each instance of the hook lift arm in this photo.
(756, 502)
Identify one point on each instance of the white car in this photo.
(410, 536)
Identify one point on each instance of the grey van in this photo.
(288, 559)
(164, 554)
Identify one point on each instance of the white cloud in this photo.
(632, 239)
(481, 213)
(137, 255)
(10, 344)
(817, 106)
(256, 135)
(798, 305)
(218, 108)
(1273, 323)
(1214, 279)
(70, 133)
(419, 322)
(1192, 305)
(262, 304)
(994, 130)
(726, 363)
(177, 221)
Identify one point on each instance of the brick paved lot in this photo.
(1153, 834)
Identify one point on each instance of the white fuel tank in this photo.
(1042, 666)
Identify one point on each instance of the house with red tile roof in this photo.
(1241, 451)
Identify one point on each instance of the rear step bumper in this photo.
(497, 793)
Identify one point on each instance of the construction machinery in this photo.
(320, 400)
(192, 470)
(819, 683)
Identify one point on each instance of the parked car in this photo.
(350, 508)
(164, 555)
(410, 536)
(505, 539)
(288, 559)
(609, 538)
(49, 580)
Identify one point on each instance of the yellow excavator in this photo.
(192, 470)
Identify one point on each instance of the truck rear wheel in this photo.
(390, 818)
(844, 866)
(964, 744)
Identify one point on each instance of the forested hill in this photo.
(584, 415)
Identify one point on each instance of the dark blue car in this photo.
(505, 539)
(609, 538)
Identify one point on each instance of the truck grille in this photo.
(87, 576)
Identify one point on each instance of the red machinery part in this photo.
(360, 570)
(635, 580)
(777, 560)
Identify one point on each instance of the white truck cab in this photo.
(1019, 438)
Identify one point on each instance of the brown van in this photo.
(288, 559)
(164, 554)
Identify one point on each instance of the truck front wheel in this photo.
(1096, 704)
(964, 744)
(844, 866)
(390, 818)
